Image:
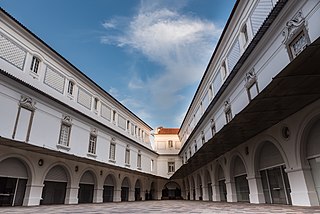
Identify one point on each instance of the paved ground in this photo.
(164, 207)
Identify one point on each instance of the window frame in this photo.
(171, 167)
(127, 156)
(35, 65)
(112, 151)
(92, 147)
(65, 122)
(70, 88)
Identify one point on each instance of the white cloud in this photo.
(180, 44)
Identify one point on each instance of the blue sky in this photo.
(149, 54)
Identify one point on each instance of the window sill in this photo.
(70, 96)
(34, 75)
(127, 165)
(139, 168)
(60, 146)
(112, 161)
(91, 155)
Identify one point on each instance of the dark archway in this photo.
(13, 179)
(108, 188)
(171, 191)
(55, 184)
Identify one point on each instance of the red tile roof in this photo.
(168, 130)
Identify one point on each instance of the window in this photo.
(127, 156)
(112, 154)
(244, 36)
(170, 144)
(210, 92)
(70, 87)
(228, 115)
(95, 104)
(203, 139)
(223, 71)
(299, 43)
(213, 127)
(152, 165)
(139, 160)
(227, 111)
(186, 156)
(195, 146)
(132, 129)
(35, 65)
(251, 84)
(24, 119)
(253, 91)
(128, 125)
(171, 167)
(64, 135)
(114, 113)
(190, 152)
(92, 144)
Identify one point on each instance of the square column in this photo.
(131, 195)
(256, 190)
(117, 195)
(33, 195)
(98, 195)
(231, 191)
(215, 193)
(205, 195)
(303, 192)
(71, 195)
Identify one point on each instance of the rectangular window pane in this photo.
(64, 135)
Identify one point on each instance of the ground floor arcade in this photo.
(29, 178)
(280, 165)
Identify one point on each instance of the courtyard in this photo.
(162, 207)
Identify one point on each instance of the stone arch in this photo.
(109, 188)
(16, 173)
(192, 188)
(188, 188)
(220, 182)
(302, 138)
(208, 184)
(56, 179)
(309, 156)
(171, 190)
(87, 184)
(257, 149)
(199, 187)
(125, 188)
(153, 191)
(238, 177)
(270, 162)
(138, 190)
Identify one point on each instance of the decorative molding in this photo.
(227, 105)
(250, 78)
(292, 26)
(66, 119)
(94, 132)
(27, 102)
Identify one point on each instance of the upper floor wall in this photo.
(294, 27)
(29, 59)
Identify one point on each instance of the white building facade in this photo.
(251, 131)
(64, 140)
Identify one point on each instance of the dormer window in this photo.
(70, 88)
(35, 65)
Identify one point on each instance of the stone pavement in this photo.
(164, 207)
